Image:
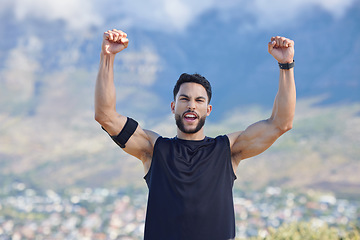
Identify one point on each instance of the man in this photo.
(190, 176)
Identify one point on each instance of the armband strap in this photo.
(127, 131)
(287, 66)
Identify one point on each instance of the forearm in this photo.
(285, 101)
(105, 95)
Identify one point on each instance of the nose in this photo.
(191, 105)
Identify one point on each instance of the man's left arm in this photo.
(261, 135)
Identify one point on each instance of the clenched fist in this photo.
(282, 49)
(114, 41)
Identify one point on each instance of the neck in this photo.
(191, 136)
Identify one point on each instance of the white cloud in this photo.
(279, 11)
(144, 65)
(177, 15)
(21, 66)
(336, 7)
(163, 15)
(77, 14)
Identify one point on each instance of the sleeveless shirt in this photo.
(190, 190)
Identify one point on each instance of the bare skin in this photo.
(192, 96)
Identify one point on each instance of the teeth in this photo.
(190, 115)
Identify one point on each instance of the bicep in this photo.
(141, 142)
(254, 140)
(114, 123)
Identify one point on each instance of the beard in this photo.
(181, 126)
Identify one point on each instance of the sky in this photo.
(163, 15)
(79, 19)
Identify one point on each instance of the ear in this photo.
(209, 109)
(172, 106)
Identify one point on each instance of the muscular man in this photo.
(190, 177)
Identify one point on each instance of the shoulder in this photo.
(233, 137)
(161, 141)
(152, 136)
(223, 139)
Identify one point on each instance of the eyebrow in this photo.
(184, 95)
(201, 97)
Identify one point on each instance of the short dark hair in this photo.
(195, 78)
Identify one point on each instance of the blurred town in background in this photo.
(111, 214)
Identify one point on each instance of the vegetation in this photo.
(310, 231)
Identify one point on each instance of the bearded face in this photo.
(180, 123)
(191, 109)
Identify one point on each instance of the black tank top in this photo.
(190, 190)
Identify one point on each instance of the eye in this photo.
(183, 99)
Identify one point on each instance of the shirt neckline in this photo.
(192, 141)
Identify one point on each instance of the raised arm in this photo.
(261, 135)
(141, 142)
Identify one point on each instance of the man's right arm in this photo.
(141, 143)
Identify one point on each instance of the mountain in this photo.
(48, 136)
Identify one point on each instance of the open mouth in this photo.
(190, 116)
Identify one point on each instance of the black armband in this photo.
(127, 131)
(287, 66)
